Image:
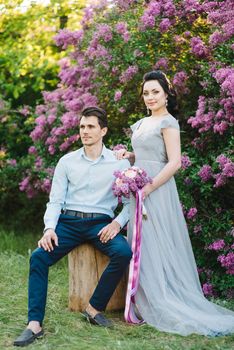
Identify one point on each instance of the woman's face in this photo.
(154, 95)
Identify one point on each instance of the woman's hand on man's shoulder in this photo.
(122, 154)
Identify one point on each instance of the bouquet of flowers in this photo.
(129, 181)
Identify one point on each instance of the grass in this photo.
(68, 330)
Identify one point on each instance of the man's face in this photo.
(90, 131)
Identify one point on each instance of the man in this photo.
(81, 209)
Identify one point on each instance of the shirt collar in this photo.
(104, 153)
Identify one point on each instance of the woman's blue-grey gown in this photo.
(169, 296)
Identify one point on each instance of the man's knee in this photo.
(124, 253)
(127, 253)
(38, 256)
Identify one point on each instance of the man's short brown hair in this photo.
(97, 112)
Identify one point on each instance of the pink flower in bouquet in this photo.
(129, 181)
(131, 173)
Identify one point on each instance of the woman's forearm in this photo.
(165, 174)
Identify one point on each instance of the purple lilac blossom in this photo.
(169, 8)
(162, 63)
(217, 245)
(206, 118)
(198, 47)
(46, 185)
(118, 95)
(32, 150)
(220, 14)
(191, 213)
(51, 118)
(205, 173)
(185, 162)
(25, 110)
(121, 28)
(104, 32)
(164, 25)
(208, 289)
(180, 80)
(148, 18)
(227, 261)
(225, 77)
(65, 38)
(38, 163)
(124, 4)
(220, 180)
(128, 74)
(228, 169)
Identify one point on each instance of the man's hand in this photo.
(46, 241)
(109, 232)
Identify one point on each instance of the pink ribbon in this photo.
(134, 268)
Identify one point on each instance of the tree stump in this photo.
(86, 265)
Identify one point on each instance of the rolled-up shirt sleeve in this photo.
(57, 196)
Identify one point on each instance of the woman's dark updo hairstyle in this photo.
(167, 87)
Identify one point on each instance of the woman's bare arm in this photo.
(172, 142)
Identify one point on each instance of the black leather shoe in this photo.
(98, 320)
(27, 337)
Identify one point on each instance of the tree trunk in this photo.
(86, 265)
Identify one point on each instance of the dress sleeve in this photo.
(170, 122)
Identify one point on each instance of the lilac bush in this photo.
(191, 41)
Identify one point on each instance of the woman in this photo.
(169, 295)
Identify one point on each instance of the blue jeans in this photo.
(73, 231)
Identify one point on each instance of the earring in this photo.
(148, 111)
(166, 103)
